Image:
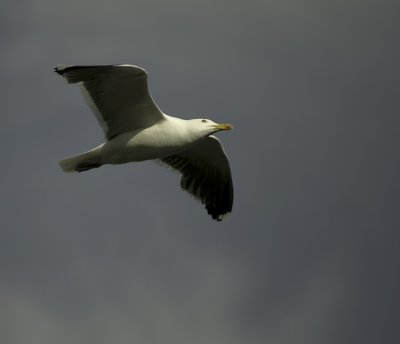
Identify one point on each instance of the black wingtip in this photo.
(216, 214)
(60, 70)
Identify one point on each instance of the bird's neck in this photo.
(184, 130)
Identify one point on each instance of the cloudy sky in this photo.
(120, 254)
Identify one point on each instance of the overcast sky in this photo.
(120, 254)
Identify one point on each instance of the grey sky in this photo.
(310, 253)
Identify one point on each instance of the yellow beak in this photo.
(224, 126)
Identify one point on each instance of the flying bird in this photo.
(137, 130)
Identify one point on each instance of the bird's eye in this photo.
(204, 121)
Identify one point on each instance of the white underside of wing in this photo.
(89, 101)
(118, 95)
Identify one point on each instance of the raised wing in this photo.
(206, 175)
(117, 94)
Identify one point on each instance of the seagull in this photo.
(136, 130)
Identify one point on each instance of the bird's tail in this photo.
(81, 162)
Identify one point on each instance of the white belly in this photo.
(142, 145)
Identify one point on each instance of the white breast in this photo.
(155, 142)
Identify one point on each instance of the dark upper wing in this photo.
(206, 175)
(117, 94)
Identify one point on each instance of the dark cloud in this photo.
(120, 254)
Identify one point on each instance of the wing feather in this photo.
(206, 175)
(117, 94)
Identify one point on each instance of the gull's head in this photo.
(207, 126)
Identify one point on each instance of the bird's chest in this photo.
(148, 144)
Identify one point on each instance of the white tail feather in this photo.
(81, 162)
(69, 165)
